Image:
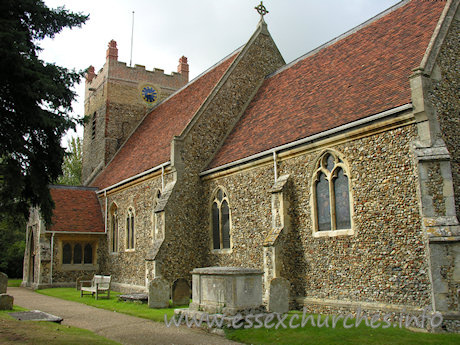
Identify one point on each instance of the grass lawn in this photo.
(306, 335)
(44, 333)
(338, 335)
(130, 308)
(14, 282)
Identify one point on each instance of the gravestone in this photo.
(158, 293)
(3, 282)
(278, 296)
(36, 315)
(6, 302)
(181, 292)
(134, 297)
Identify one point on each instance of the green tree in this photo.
(12, 245)
(35, 102)
(71, 168)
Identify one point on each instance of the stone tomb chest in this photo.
(226, 290)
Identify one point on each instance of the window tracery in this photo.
(220, 215)
(331, 194)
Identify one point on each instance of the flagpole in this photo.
(132, 35)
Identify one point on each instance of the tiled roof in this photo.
(76, 209)
(362, 74)
(150, 144)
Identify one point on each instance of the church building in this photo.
(339, 171)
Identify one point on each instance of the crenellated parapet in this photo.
(117, 98)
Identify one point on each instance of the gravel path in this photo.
(123, 328)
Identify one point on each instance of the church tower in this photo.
(116, 99)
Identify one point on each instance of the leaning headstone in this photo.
(3, 282)
(158, 293)
(6, 302)
(181, 292)
(278, 299)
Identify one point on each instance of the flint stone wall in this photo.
(127, 267)
(186, 244)
(444, 97)
(383, 261)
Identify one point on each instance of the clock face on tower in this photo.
(149, 94)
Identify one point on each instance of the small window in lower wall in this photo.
(77, 253)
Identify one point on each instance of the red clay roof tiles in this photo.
(150, 144)
(77, 209)
(362, 74)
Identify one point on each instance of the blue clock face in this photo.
(149, 94)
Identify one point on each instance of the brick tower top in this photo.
(90, 74)
(183, 67)
(112, 51)
(117, 98)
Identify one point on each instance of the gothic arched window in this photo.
(331, 195)
(114, 229)
(130, 233)
(220, 214)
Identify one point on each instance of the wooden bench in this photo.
(98, 285)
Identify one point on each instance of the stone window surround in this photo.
(114, 212)
(82, 266)
(346, 170)
(211, 242)
(130, 213)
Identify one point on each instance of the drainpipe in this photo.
(162, 178)
(52, 258)
(274, 166)
(106, 206)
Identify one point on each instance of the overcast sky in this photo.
(205, 31)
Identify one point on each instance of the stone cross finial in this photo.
(261, 9)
